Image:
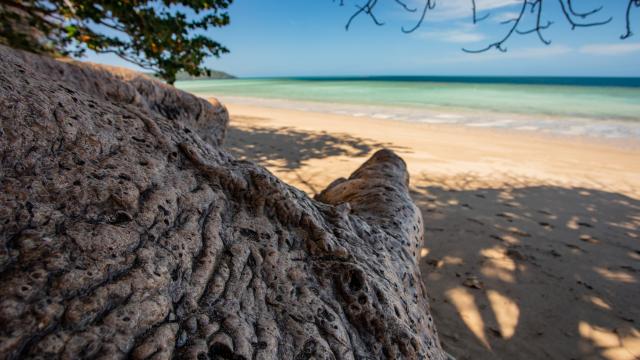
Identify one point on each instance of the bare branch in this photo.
(476, 19)
(405, 6)
(575, 18)
(428, 5)
(568, 16)
(498, 45)
(629, 33)
(365, 9)
(582, 15)
(539, 27)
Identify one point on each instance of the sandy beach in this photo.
(532, 242)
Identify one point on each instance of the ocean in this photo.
(603, 107)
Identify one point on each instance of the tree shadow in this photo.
(288, 149)
(532, 271)
(513, 271)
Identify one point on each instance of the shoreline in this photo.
(618, 129)
(497, 155)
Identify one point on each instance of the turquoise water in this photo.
(584, 98)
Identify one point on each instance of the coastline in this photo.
(497, 156)
(595, 128)
(518, 224)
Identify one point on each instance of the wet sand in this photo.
(532, 242)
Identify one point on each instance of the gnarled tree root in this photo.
(128, 232)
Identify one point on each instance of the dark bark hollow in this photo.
(127, 231)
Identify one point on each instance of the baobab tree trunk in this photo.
(128, 232)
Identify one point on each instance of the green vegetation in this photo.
(162, 36)
(213, 75)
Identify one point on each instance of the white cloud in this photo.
(541, 52)
(610, 49)
(505, 16)
(462, 37)
(455, 9)
(452, 36)
(495, 57)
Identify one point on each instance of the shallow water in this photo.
(577, 106)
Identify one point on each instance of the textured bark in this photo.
(128, 232)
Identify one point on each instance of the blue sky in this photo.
(308, 38)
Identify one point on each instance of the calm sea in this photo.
(606, 105)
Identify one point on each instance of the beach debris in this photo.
(507, 215)
(473, 282)
(589, 239)
(555, 253)
(575, 247)
(580, 282)
(545, 225)
(519, 232)
(512, 204)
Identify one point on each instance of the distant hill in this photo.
(182, 75)
(214, 75)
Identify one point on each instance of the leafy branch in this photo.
(158, 35)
